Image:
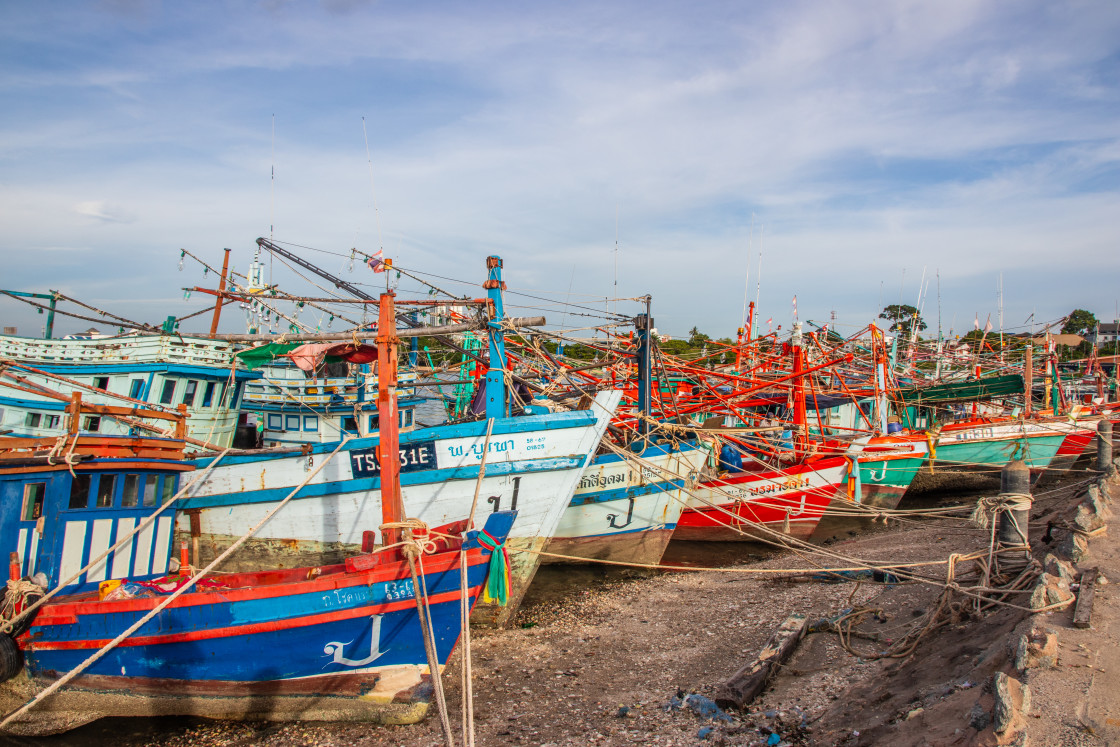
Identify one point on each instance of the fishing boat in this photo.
(887, 467)
(763, 503)
(1080, 432)
(627, 505)
(983, 445)
(351, 638)
(128, 629)
(149, 371)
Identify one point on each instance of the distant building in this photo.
(1106, 334)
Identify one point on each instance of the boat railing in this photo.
(319, 391)
(125, 349)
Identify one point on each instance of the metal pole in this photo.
(50, 317)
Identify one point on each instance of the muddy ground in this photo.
(603, 657)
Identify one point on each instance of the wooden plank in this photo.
(745, 685)
(1083, 612)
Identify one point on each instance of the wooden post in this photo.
(749, 681)
(220, 297)
(181, 423)
(388, 445)
(1083, 612)
(75, 411)
(195, 515)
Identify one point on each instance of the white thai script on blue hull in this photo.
(334, 648)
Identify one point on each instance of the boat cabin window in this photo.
(291, 423)
(233, 397)
(101, 382)
(168, 488)
(136, 388)
(79, 491)
(349, 424)
(189, 392)
(406, 418)
(33, 419)
(310, 422)
(150, 488)
(33, 494)
(106, 486)
(91, 423)
(208, 394)
(130, 494)
(373, 423)
(275, 422)
(168, 392)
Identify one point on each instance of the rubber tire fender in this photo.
(11, 658)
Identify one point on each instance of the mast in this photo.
(388, 445)
(496, 396)
(643, 324)
(220, 299)
(879, 347)
(800, 417)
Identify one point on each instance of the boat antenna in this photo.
(747, 280)
(272, 199)
(939, 305)
(568, 300)
(1001, 316)
(373, 196)
(758, 275)
(615, 261)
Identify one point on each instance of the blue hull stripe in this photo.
(602, 496)
(365, 484)
(476, 429)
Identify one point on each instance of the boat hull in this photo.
(762, 506)
(625, 511)
(334, 643)
(965, 453)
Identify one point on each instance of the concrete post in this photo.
(1104, 445)
(1015, 485)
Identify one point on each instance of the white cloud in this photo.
(103, 212)
(970, 136)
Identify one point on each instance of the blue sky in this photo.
(864, 141)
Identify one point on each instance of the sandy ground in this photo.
(602, 660)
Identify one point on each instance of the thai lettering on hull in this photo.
(334, 649)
